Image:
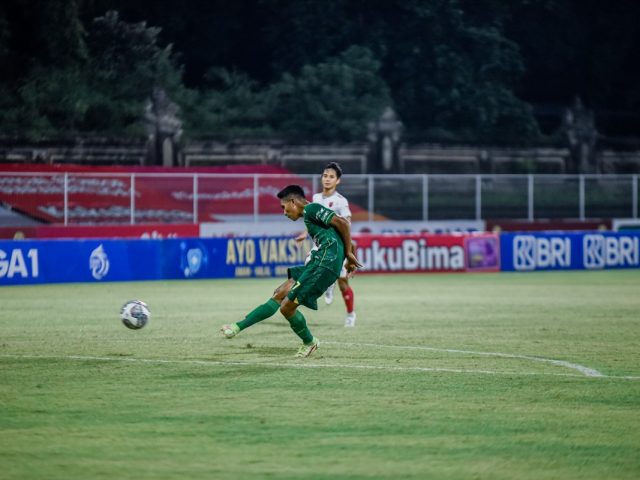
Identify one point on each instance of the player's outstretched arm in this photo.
(344, 230)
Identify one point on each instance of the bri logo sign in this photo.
(601, 251)
(531, 252)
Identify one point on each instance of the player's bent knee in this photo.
(281, 292)
(288, 308)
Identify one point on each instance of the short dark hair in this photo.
(291, 191)
(335, 166)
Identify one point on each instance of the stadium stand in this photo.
(92, 152)
(216, 153)
(21, 155)
(439, 159)
(306, 158)
(98, 155)
(619, 162)
(447, 159)
(533, 160)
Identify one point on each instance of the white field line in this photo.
(216, 363)
(586, 371)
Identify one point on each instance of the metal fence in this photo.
(393, 197)
(481, 197)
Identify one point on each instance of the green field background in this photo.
(445, 376)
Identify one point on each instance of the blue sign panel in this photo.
(569, 251)
(53, 261)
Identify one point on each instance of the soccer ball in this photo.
(135, 314)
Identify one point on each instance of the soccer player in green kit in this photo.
(331, 233)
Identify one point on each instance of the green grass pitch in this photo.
(484, 376)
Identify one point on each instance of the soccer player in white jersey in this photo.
(332, 200)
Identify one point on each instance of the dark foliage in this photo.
(459, 70)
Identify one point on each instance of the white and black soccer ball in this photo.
(135, 314)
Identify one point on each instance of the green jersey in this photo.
(330, 252)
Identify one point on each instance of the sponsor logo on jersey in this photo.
(323, 214)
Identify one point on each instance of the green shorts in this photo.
(311, 282)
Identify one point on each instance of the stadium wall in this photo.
(100, 260)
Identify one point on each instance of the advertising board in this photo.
(569, 251)
(428, 253)
(103, 260)
(100, 260)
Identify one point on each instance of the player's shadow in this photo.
(265, 352)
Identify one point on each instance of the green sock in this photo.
(299, 327)
(259, 313)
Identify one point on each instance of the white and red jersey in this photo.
(335, 202)
(338, 204)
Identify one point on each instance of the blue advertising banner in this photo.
(569, 251)
(55, 261)
(94, 260)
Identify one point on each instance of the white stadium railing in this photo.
(415, 197)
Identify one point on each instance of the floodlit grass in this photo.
(417, 390)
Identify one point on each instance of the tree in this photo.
(62, 33)
(333, 100)
(449, 77)
(453, 69)
(126, 64)
(585, 48)
(231, 105)
(101, 88)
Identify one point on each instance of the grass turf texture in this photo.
(201, 406)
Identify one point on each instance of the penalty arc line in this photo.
(586, 371)
(304, 365)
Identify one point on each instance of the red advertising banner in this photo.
(428, 253)
(102, 195)
(102, 231)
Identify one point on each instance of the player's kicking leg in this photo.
(261, 312)
(306, 350)
(299, 295)
(230, 331)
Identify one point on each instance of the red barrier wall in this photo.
(102, 231)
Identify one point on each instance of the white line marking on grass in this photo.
(586, 371)
(217, 363)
